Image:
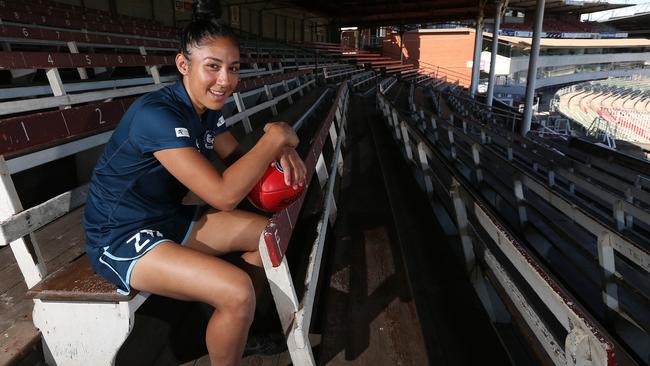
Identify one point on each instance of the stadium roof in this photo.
(576, 43)
(391, 12)
(634, 19)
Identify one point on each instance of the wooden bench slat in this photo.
(76, 282)
(23, 132)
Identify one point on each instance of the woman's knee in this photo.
(238, 298)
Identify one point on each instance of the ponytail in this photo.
(206, 23)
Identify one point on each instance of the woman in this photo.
(141, 236)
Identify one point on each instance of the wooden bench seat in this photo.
(76, 281)
(380, 63)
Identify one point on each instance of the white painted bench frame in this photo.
(244, 112)
(67, 338)
(295, 314)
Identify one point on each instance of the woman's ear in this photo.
(182, 64)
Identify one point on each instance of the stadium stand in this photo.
(620, 103)
(519, 200)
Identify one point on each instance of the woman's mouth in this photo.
(217, 95)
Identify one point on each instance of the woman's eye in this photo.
(213, 66)
(234, 69)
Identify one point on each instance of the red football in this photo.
(270, 193)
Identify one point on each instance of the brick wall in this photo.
(449, 49)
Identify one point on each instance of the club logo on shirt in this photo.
(182, 132)
(208, 139)
(221, 121)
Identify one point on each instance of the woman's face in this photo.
(211, 74)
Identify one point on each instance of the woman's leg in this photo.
(222, 232)
(195, 273)
(183, 273)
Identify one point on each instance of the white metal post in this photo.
(72, 46)
(532, 69)
(493, 56)
(478, 42)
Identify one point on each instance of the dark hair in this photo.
(206, 23)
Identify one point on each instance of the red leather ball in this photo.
(270, 193)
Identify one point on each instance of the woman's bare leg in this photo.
(183, 273)
(221, 232)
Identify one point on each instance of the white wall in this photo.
(503, 63)
(569, 79)
(521, 63)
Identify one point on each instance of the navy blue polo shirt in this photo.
(129, 187)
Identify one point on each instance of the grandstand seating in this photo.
(621, 102)
(530, 200)
(71, 18)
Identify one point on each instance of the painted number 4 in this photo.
(138, 238)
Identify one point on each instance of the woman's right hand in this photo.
(283, 133)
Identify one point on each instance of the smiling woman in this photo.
(140, 235)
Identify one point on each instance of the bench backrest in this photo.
(34, 33)
(53, 20)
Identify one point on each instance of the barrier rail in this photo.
(295, 314)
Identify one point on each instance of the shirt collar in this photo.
(180, 92)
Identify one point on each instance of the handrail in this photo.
(295, 314)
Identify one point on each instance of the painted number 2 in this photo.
(101, 121)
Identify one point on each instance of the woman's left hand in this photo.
(293, 166)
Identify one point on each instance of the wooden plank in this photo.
(33, 33)
(16, 340)
(74, 23)
(26, 222)
(76, 282)
(28, 105)
(48, 60)
(38, 129)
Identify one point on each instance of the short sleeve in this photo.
(217, 123)
(159, 127)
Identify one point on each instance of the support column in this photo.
(493, 56)
(532, 69)
(478, 43)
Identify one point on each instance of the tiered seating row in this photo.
(47, 60)
(71, 12)
(607, 100)
(7, 15)
(34, 33)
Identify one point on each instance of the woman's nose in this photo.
(223, 78)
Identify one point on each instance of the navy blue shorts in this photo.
(125, 246)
